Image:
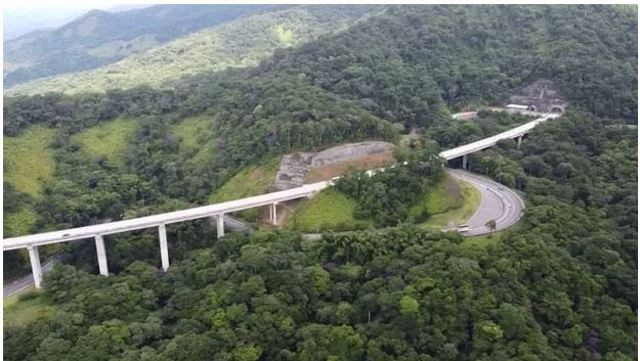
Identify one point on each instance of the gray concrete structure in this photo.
(34, 259)
(493, 140)
(540, 96)
(220, 225)
(102, 255)
(164, 248)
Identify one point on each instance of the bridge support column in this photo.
(464, 162)
(220, 225)
(273, 213)
(164, 249)
(102, 256)
(36, 269)
(519, 141)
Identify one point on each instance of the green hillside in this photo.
(329, 210)
(28, 161)
(99, 38)
(250, 181)
(197, 138)
(236, 44)
(19, 222)
(108, 140)
(28, 165)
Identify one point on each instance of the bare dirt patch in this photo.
(329, 171)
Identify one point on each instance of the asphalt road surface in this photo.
(498, 203)
(26, 281)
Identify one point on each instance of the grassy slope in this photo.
(18, 312)
(108, 139)
(240, 43)
(330, 209)
(20, 222)
(251, 181)
(197, 138)
(28, 164)
(28, 161)
(451, 201)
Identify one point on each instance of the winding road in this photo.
(498, 203)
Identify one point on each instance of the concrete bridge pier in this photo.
(519, 141)
(36, 269)
(464, 162)
(273, 213)
(164, 249)
(102, 256)
(220, 225)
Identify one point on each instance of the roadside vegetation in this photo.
(24, 308)
(450, 202)
(253, 180)
(328, 210)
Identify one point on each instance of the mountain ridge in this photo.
(239, 43)
(67, 48)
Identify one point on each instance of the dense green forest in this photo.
(560, 286)
(386, 197)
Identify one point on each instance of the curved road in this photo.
(498, 203)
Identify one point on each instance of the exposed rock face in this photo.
(294, 167)
(540, 96)
(347, 152)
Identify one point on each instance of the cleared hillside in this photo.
(240, 43)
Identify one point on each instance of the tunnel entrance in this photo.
(556, 110)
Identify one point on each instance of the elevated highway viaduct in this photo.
(217, 211)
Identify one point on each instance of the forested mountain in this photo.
(562, 285)
(426, 56)
(240, 43)
(100, 37)
(413, 60)
(402, 68)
